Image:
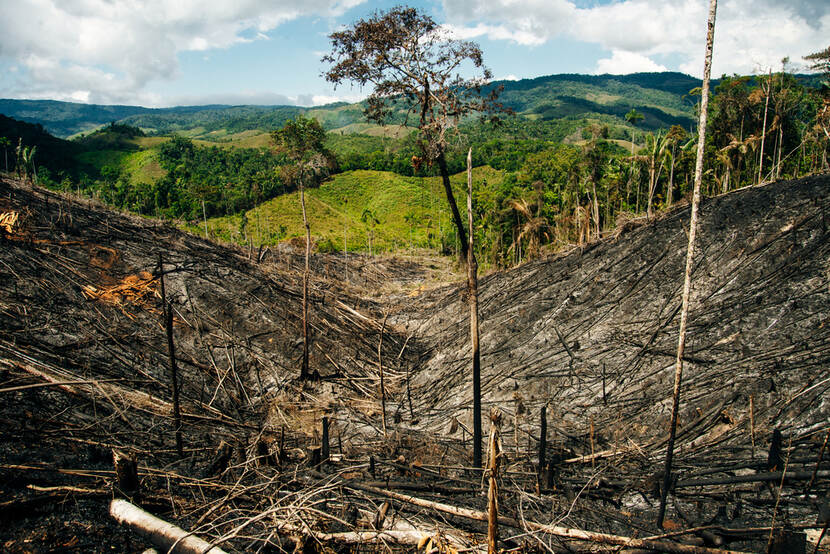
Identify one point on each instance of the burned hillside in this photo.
(589, 335)
(593, 332)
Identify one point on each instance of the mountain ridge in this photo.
(65, 119)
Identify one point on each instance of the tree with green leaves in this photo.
(302, 141)
(27, 162)
(415, 66)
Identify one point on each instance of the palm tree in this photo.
(675, 135)
(535, 228)
(633, 117)
(655, 146)
(28, 158)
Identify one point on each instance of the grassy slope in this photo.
(342, 200)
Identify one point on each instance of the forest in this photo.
(561, 181)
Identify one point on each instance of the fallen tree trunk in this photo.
(159, 532)
(398, 536)
(772, 476)
(564, 532)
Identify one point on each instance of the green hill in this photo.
(404, 211)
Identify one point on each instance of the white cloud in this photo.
(494, 32)
(622, 63)
(323, 99)
(108, 51)
(749, 33)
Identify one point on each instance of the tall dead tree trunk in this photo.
(171, 349)
(304, 371)
(472, 286)
(204, 217)
(764, 129)
(493, 489)
(380, 366)
(687, 279)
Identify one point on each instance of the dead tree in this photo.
(687, 279)
(472, 289)
(171, 350)
(304, 371)
(493, 488)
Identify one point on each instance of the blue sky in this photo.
(161, 53)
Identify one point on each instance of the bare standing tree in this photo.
(472, 290)
(414, 65)
(302, 140)
(687, 280)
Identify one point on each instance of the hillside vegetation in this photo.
(578, 156)
(393, 212)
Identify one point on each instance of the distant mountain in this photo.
(663, 98)
(63, 119)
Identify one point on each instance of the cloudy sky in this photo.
(165, 53)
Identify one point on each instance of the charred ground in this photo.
(589, 334)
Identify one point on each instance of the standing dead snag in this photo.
(493, 489)
(543, 440)
(687, 280)
(126, 473)
(171, 349)
(472, 285)
(304, 371)
(409, 59)
(380, 366)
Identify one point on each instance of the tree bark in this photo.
(687, 280)
(456, 216)
(472, 285)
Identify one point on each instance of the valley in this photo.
(585, 337)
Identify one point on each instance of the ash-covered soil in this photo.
(590, 335)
